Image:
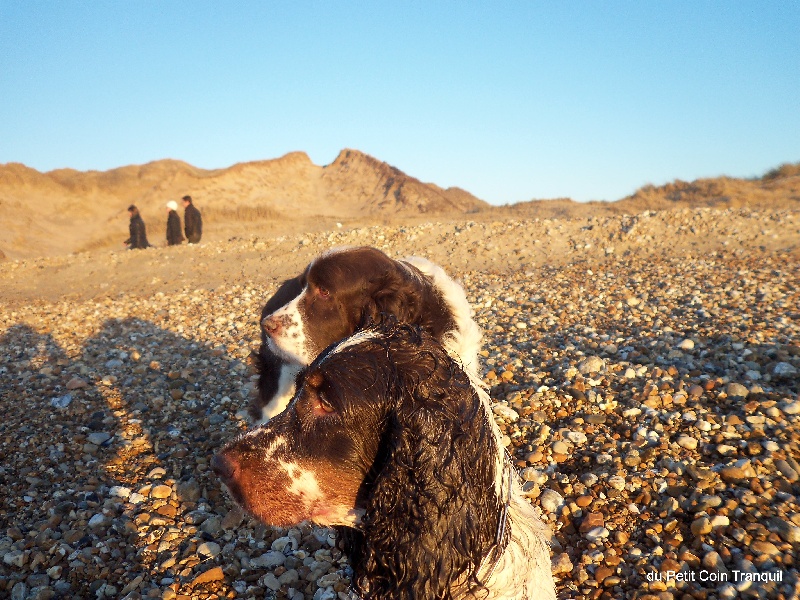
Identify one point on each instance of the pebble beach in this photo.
(645, 371)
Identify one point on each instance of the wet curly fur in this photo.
(404, 427)
(423, 528)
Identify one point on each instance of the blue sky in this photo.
(510, 101)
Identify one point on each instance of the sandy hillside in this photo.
(70, 211)
(67, 211)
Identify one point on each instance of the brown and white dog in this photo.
(343, 291)
(389, 437)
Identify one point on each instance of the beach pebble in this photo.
(591, 364)
(551, 501)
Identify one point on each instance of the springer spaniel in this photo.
(343, 291)
(390, 438)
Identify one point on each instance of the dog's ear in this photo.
(268, 367)
(393, 294)
(430, 516)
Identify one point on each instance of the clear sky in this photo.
(508, 100)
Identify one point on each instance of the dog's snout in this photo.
(225, 467)
(271, 325)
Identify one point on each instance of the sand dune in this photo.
(67, 211)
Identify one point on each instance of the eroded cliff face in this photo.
(376, 187)
(66, 210)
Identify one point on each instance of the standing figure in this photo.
(138, 233)
(192, 222)
(174, 235)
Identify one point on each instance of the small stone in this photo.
(695, 391)
(603, 573)
(328, 580)
(701, 526)
(727, 591)
(617, 482)
(55, 572)
(783, 369)
(632, 459)
(215, 574)
(15, 558)
(736, 390)
(592, 520)
(120, 491)
(597, 534)
(720, 522)
(788, 531)
(19, 591)
(732, 474)
(576, 437)
(76, 383)
(787, 471)
(209, 549)
(764, 547)
(99, 520)
(791, 408)
(38, 580)
(726, 450)
(505, 412)
(686, 344)
(189, 491)
(591, 364)
(233, 518)
(61, 401)
(98, 438)
(268, 560)
(551, 501)
(161, 491)
(288, 577)
(688, 442)
(272, 582)
(534, 475)
(212, 526)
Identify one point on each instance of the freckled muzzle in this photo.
(286, 334)
(257, 484)
(225, 467)
(278, 483)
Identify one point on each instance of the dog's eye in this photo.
(322, 406)
(323, 292)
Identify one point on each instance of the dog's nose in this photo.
(225, 467)
(271, 325)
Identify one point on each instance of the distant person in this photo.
(192, 221)
(174, 235)
(137, 230)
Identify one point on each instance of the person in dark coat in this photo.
(192, 221)
(137, 230)
(174, 235)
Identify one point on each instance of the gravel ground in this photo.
(650, 398)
